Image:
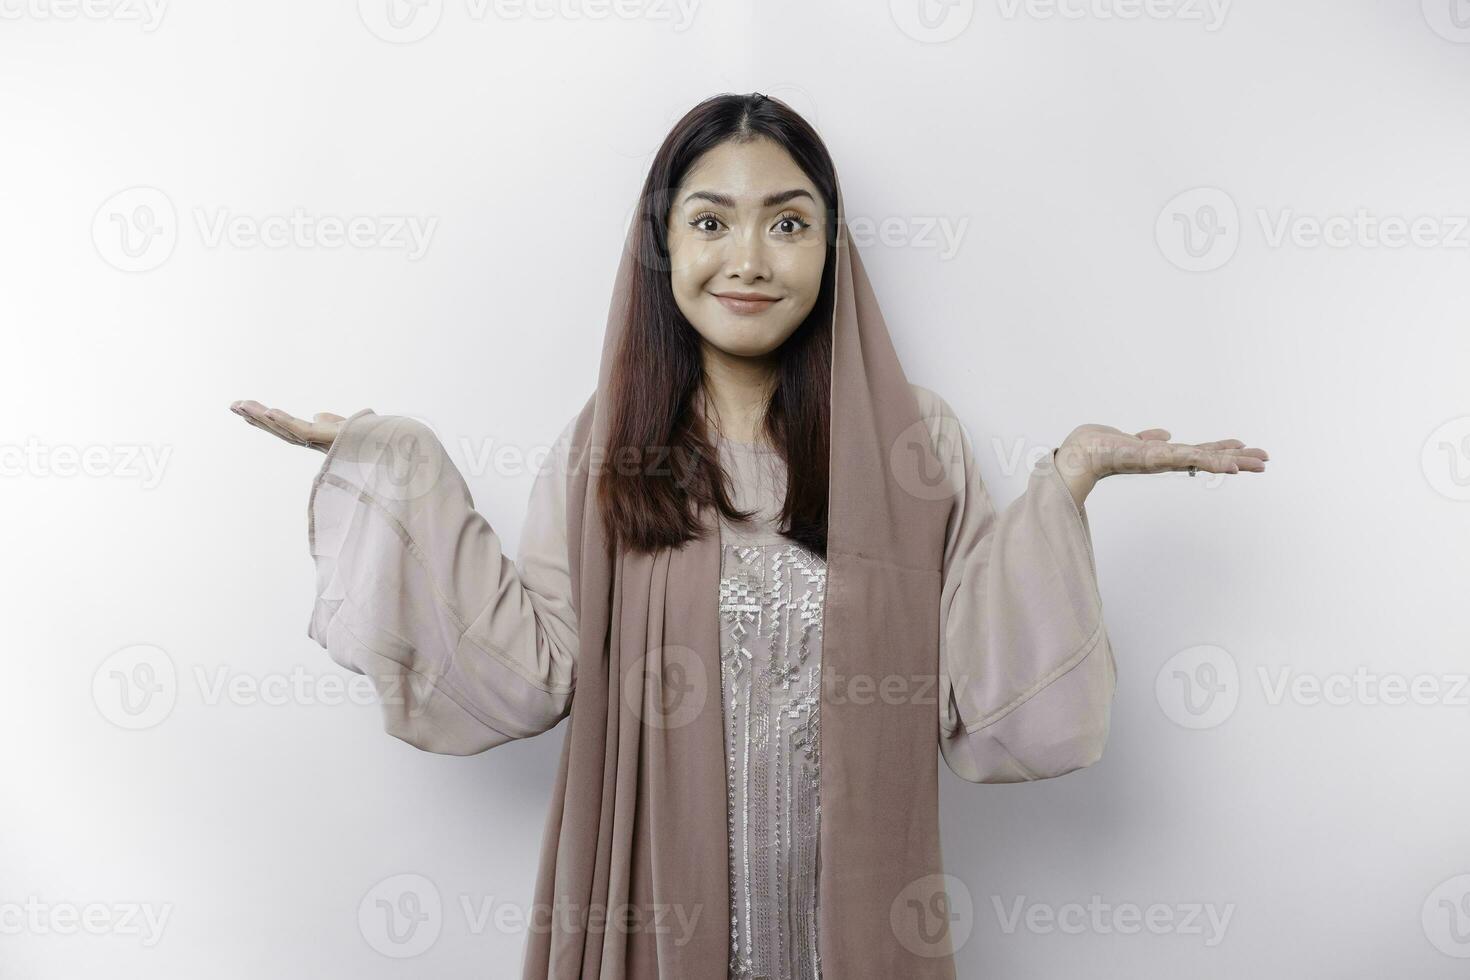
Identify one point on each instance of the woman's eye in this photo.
(791, 224)
(703, 223)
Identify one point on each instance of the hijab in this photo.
(634, 874)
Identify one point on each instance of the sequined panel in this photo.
(771, 597)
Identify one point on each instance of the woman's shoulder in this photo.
(946, 432)
(931, 403)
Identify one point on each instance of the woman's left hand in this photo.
(1092, 452)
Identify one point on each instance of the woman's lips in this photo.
(745, 306)
(735, 303)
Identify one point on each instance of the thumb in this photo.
(327, 417)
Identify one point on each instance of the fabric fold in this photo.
(1029, 672)
(415, 591)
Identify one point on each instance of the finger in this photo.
(1153, 434)
(273, 420)
(1210, 461)
(296, 430)
(253, 412)
(1162, 457)
(1239, 449)
(1250, 459)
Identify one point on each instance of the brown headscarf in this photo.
(636, 839)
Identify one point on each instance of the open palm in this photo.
(1095, 451)
(319, 433)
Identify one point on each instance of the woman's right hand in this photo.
(319, 433)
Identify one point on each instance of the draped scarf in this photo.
(634, 875)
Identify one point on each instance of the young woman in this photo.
(766, 565)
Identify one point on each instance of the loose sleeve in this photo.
(1027, 673)
(465, 648)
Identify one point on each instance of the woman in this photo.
(768, 567)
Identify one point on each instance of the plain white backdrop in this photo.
(1228, 220)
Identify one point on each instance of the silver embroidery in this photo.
(771, 641)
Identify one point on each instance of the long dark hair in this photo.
(657, 378)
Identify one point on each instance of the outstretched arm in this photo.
(465, 648)
(1026, 670)
(1028, 673)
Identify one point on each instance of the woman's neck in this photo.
(738, 389)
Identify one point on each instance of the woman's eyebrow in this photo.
(770, 201)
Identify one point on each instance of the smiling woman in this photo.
(764, 648)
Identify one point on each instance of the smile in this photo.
(746, 303)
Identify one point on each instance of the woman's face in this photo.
(747, 235)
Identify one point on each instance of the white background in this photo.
(1057, 139)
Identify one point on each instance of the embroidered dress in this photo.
(771, 597)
